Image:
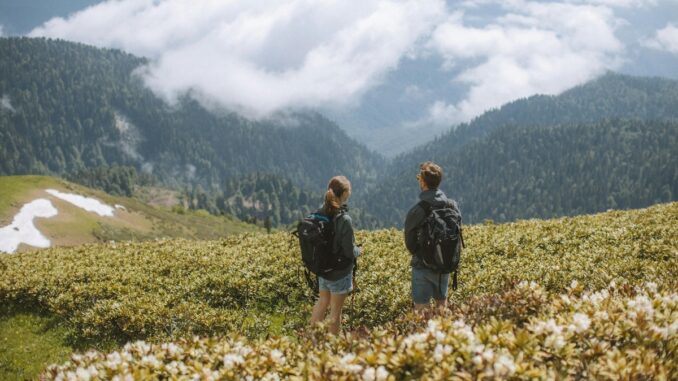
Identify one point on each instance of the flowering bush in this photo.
(516, 297)
(617, 332)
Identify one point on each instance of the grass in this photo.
(28, 343)
(13, 189)
(73, 226)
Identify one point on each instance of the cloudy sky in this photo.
(392, 73)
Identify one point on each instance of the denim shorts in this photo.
(427, 284)
(340, 286)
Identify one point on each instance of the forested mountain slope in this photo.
(527, 171)
(610, 96)
(68, 106)
(616, 134)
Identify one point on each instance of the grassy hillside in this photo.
(621, 311)
(137, 221)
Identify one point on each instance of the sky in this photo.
(391, 73)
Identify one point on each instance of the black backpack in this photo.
(440, 239)
(316, 234)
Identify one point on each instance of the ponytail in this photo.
(332, 203)
(335, 189)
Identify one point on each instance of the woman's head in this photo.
(338, 192)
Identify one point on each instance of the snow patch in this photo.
(87, 203)
(22, 229)
(121, 207)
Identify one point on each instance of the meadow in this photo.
(578, 297)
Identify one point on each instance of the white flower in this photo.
(173, 368)
(172, 349)
(552, 327)
(574, 284)
(113, 360)
(555, 341)
(601, 315)
(382, 373)
(150, 361)
(347, 363)
(82, 374)
(504, 366)
(277, 356)
(432, 326)
(231, 360)
(348, 358)
(580, 323)
(370, 374)
(271, 377)
(414, 339)
(438, 353)
(441, 351)
(209, 374)
(641, 303)
(652, 286)
(488, 355)
(565, 299)
(477, 360)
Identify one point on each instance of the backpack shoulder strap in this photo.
(321, 216)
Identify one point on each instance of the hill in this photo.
(68, 106)
(543, 299)
(540, 172)
(525, 159)
(612, 96)
(46, 211)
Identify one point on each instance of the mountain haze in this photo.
(75, 106)
(616, 134)
(70, 109)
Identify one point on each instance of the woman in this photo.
(336, 285)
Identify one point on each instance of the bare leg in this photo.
(441, 305)
(336, 304)
(420, 308)
(320, 307)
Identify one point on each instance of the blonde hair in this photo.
(335, 189)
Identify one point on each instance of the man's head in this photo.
(430, 175)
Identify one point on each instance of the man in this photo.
(426, 283)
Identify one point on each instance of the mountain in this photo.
(41, 211)
(608, 144)
(610, 96)
(81, 112)
(68, 106)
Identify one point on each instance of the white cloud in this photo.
(665, 39)
(531, 48)
(6, 103)
(258, 56)
(618, 3)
